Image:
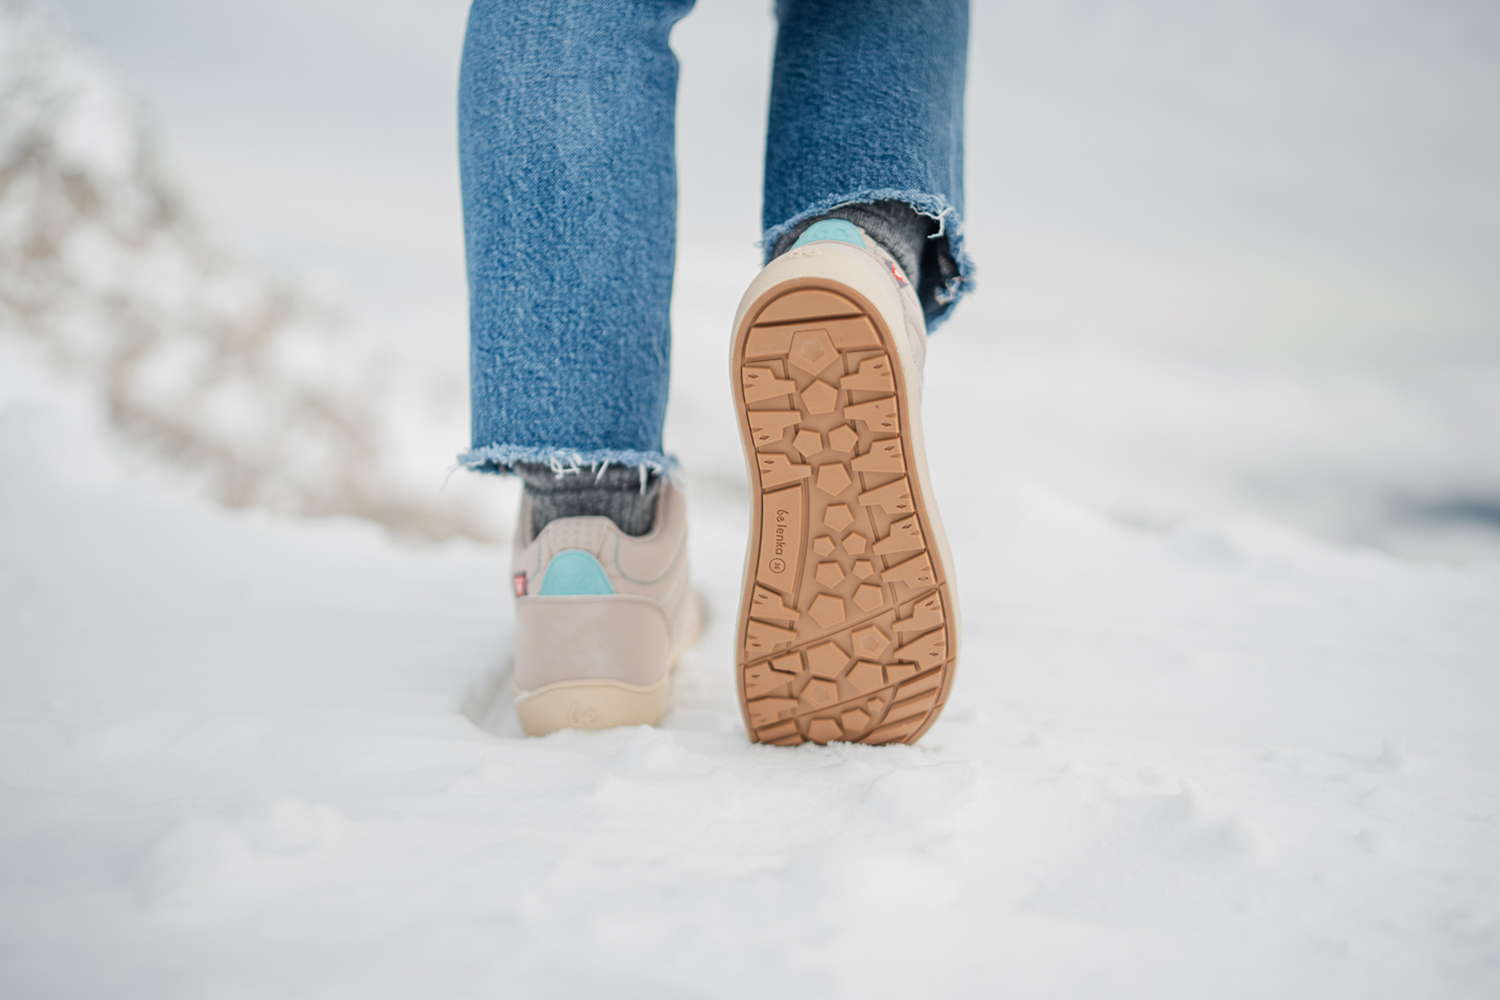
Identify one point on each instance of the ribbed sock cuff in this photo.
(627, 496)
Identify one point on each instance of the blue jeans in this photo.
(566, 148)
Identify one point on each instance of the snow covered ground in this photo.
(1225, 722)
(247, 757)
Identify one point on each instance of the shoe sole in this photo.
(848, 629)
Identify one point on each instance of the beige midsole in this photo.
(591, 705)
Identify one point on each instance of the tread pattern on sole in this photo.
(846, 633)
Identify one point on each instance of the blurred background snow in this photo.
(1236, 258)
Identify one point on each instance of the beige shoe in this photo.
(601, 619)
(848, 627)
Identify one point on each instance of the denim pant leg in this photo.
(867, 106)
(569, 189)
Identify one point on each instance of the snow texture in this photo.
(250, 757)
(1206, 738)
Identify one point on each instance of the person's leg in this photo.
(866, 125)
(566, 132)
(566, 149)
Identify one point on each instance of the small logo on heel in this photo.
(581, 716)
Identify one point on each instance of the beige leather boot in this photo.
(848, 627)
(601, 619)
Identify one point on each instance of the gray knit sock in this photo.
(617, 492)
(906, 234)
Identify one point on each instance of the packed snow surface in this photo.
(1224, 724)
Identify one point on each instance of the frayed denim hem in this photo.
(931, 205)
(499, 458)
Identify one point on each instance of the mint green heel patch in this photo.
(573, 573)
(831, 229)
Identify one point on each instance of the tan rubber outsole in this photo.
(848, 629)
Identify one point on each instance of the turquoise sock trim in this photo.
(831, 229)
(573, 573)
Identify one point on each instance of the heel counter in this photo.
(614, 638)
